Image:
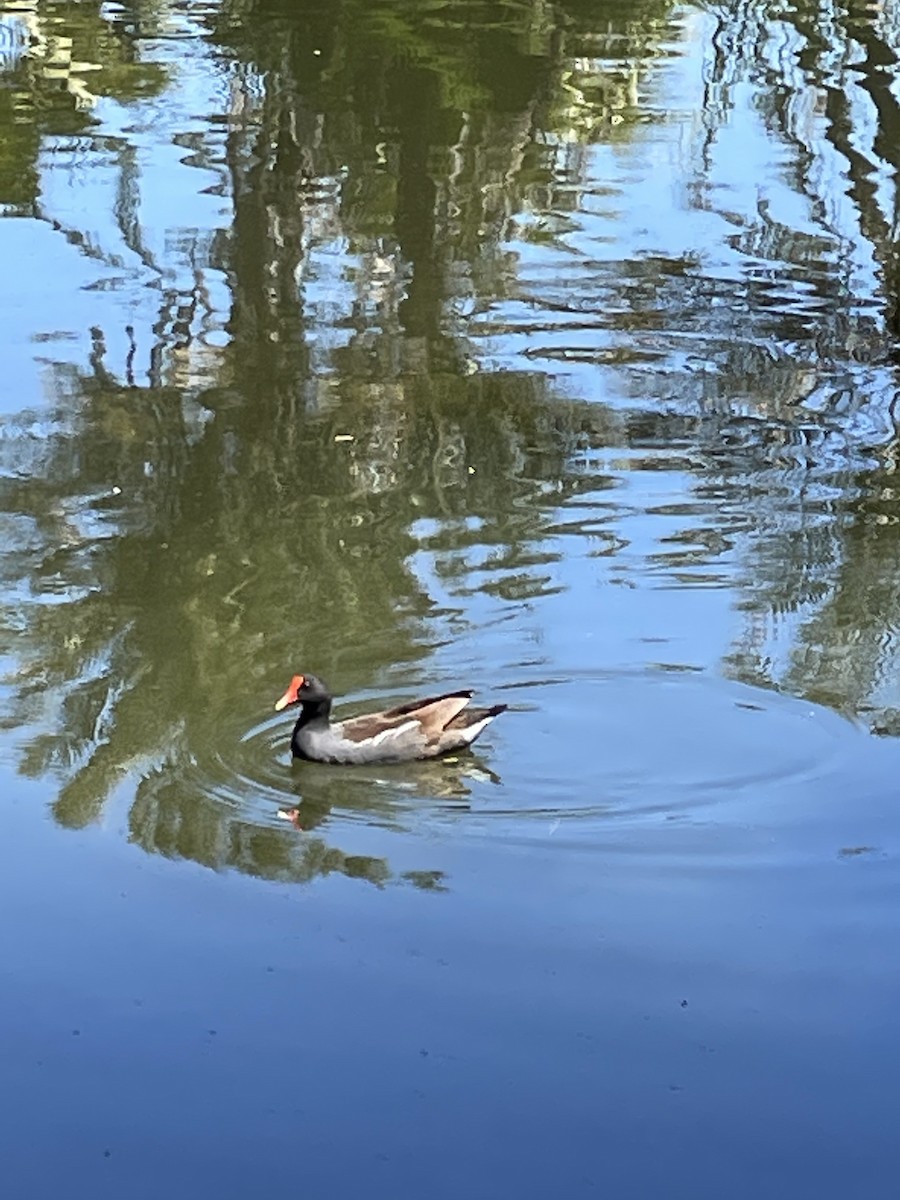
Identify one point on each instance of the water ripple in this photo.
(662, 744)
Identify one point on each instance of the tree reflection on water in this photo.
(380, 338)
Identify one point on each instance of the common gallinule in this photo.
(419, 729)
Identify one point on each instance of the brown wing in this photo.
(433, 715)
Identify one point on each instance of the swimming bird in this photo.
(418, 729)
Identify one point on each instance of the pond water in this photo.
(543, 349)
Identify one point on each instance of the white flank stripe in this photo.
(392, 733)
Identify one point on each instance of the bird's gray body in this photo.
(321, 741)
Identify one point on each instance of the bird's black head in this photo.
(304, 689)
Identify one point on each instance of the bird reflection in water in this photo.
(389, 796)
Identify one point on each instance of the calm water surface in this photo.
(544, 349)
